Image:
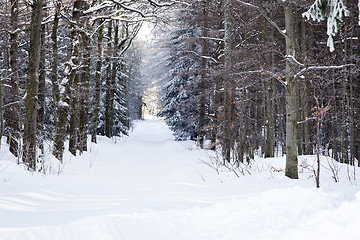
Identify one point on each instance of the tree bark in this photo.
(66, 94)
(84, 86)
(55, 60)
(74, 79)
(96, 112)
(228, 134)
(291, 101)
(29, 139)
(41, 93)
(203, 75)
(13, 111)
(1, 112)
(269, 102)
(108, 81)
(344, 123)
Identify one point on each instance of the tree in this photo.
(96, 110)
(229, 83)
(12, 109)
(66, 97)
(204, 52)
(291, 99)
(29, 145)
(333, 11)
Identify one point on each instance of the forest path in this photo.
(149, 187)
(147, 171)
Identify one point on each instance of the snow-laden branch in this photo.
(294, 60)
(263, 13)
(128, 8)
(157, 4)
(302, 71)
(333, 11)
(103, 5)
(262, 71)
(10, 104)
(211, 38)
(202, 56)
(131, 38)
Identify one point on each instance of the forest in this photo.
(244, 78)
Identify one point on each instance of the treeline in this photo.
(258, 77)
(68, 70)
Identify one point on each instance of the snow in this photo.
(335, 13)
(148, 186)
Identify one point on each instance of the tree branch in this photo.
(157, 4)
(263, 13)
(277, 77)
(302, 71)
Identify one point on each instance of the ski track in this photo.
(147, 186)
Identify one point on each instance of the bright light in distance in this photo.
(145, 32)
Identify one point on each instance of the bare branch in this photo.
(293, 59)
(263, 71)
(157, 4)
(263, 13)
(128, 8)
(304, 70)
(205, 57)
(211, 38)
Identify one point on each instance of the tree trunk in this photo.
(108, 81)
(229, 130)
(71, 77)
(74, 79)
(96, 112)
(305, 141)
(74, 106)
(344, 124)
(84, 86)
(351, 108)
(29, 139)
(291, 102)
(12, 111)
(113, 83)
(318, 119)
(55, 59)
(269, 102)
(217, 103)
(203, 75)
(41, 93)
(1, 111)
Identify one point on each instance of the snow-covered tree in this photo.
(333, 11)
(180, 99)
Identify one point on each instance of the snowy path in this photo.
(147, 186)
(146, 172)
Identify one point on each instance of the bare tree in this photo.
(29, 138)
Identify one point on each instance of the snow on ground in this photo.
(147, 186)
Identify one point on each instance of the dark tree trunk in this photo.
(12, 110)
(84, 85)
(291, 101)
(29, 139)
(229, 129)
(96, 112)
(67, 94)
(74, 79)
(41, 94)
(108, 81)
(55, 59)
(203, 75)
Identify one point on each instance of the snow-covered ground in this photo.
(149, 187)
